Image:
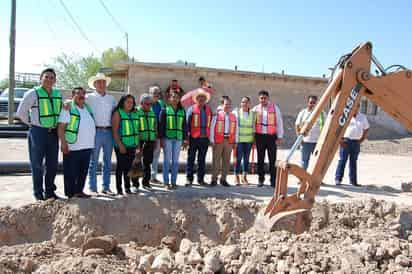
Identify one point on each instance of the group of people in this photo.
(89, 123)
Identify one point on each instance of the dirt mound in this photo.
(208, 235)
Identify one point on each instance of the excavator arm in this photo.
(390, 91)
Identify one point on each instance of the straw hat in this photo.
(97, 77)
(200, 92)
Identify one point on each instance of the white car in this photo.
(4, 100)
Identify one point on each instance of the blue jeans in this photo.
(351, 150)
(104, 140)
(43, 145)
(242, 152)
(171, 151)
(199, 146)
(75, 165)
(155, 163)
(306, 151)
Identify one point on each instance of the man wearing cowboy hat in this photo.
(102, 105)
(198, 119)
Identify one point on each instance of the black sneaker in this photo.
(224, 183)
(202, 183)
(108, 192)
(128, 191)
(355, 184)
(213, 183)
(260, 184)
(39, 197)
(188, 183)
(51, 196)
(147, 186)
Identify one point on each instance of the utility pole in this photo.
(12, 61)
(127, 45)
(126, 82)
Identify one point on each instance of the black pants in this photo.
(199, 146)
(266, 142)
(75, 164)
(147, 147)
(124, 163)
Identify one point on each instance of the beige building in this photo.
(288, 91)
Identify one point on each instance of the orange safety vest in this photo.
(271, 119)
(220, 128)
(196, 121)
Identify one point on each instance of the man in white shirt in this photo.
(309, 141)
(355, 134)
(268, 135)
(102, 105)
(40, 109)
(76, 132)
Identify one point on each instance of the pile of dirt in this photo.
(206, 235)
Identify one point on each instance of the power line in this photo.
(82, 33)
(116, 22)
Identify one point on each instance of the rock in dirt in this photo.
(406, 187)
(94, 251)
(108, 243)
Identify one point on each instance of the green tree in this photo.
(74, 70)
(111, 56)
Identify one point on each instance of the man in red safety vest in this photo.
(223, 137)
(268, 135)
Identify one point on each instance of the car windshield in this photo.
(18, 92)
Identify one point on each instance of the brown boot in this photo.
(244, 179)
(237, 179)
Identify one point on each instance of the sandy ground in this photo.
(380, 174)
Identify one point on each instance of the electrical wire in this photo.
(115, 21)
(79, 29)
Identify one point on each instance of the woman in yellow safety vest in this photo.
(125, 129)
(246, 132)
(172, 133)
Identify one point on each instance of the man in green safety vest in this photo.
(309, 141)
(77, 131)
(148, 135)
(40, 109)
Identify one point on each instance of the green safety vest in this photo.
(72, 128)
(49, 107)
(245, 127)
(321, 120)
(147, 125)
(174, 123)
(129, 128)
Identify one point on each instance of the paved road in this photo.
(381, 176)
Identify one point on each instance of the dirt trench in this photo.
(144, 220)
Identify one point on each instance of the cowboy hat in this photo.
(97, 77)
(200, 92)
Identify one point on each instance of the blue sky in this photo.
(300, 37)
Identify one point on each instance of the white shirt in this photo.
(102, 107)
(279, 120)
(87, 129)
(314, 132)
(28, 110)
(356, 127)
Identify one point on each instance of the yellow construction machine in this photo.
(390, 89)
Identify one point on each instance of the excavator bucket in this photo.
(284, 211)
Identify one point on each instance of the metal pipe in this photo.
(378, 65)
(294, 147)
